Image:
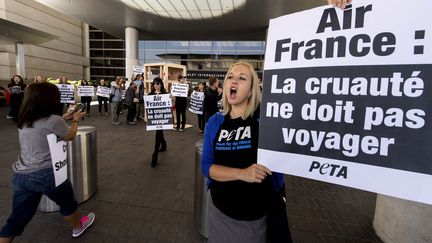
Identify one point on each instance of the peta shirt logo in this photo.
(240, 133)
(237, 139)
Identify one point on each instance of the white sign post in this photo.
(179, 90)
(197, 102)
(138, 69)
(159, 114)
(66, 93)
(58, 151)
(103, 91)
(348, 101)
(86, 91)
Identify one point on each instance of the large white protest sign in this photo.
(158, 109)
(138, 69)
(86, 91)
(58, 151)
(103, 91)
(347, 97)
(179, 90)
(66, 93)
(197, 102)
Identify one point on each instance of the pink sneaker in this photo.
(86, 221)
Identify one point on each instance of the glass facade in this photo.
(202, 58)
(107, 55)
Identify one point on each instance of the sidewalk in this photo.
(137, 203)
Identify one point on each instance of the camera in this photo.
(80, 107)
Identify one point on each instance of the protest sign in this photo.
(348, 101)
(58, 151)
(66, 93)
(179, 90)
(85, 91)
(197, 102)
(138, 69)
(103, 91)
(158, 109)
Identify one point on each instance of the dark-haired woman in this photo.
(102, 99)
(160, 143)
(33, 172)
(16, 89)
(86, 99)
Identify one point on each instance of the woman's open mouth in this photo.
(233, 93)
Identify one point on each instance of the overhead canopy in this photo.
(21, 33)
(182, 19)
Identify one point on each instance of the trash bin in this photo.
(82, 168)
(201, 194)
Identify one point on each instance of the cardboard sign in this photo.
(159, 114)
(348, 101)
(179, 90)
(197, 102)
(86, 91)
(103, 91)
(58, 151)
(66, 93)
(138, 69)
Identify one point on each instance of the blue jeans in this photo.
(28, 190)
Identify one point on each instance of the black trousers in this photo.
(181, 111)
(160, 139)
(105, 103)
(86, 100)
(131, 112)
(15, 103)
(201, 122)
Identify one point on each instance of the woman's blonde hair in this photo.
(253, 100)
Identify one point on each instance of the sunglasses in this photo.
(156, 84)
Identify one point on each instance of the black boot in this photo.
(154, 160)
(163, 148)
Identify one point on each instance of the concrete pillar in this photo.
(131, 45)
(399, 221)
(86, 49)
(19, 60)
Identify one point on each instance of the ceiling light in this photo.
(186, 9)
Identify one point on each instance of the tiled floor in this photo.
(137, 203)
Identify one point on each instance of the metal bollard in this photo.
(201, 194)
(82, 168)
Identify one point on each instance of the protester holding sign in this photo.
(86, 99)
(116, 100)
(103, 94)
(246, 197)
(66, 93)
(160, 143)
(201, 118)
(181, 105)
(33, 172)
(16, 89)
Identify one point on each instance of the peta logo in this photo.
(240, 133)
(330, 169)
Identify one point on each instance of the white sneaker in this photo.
(9, 117)
(86, 221)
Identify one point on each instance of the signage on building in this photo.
(205, 75)
(348, 101)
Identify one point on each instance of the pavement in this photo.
(137, 203)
